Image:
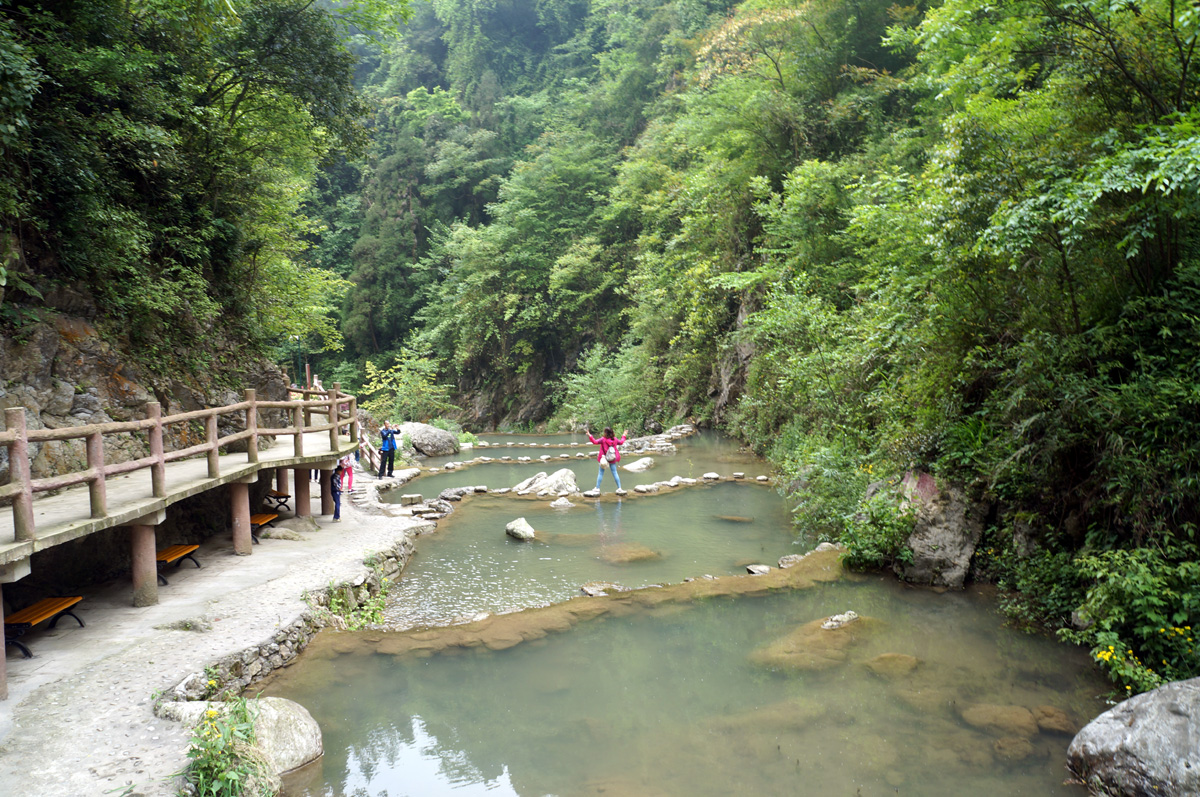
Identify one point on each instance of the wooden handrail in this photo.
(17, 437)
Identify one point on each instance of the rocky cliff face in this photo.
(64, 374)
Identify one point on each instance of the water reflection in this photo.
(668, 699)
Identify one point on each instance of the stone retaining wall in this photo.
(233, 674)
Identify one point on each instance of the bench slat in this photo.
(262, 519)
(42, 610)
(168, 555)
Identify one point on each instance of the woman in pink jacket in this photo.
(609, 454)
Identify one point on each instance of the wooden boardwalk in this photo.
(68, 516)
(138, 493)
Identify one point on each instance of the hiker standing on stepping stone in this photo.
(387, 449)
(609, 453)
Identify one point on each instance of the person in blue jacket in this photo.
(387, 449)
(335, 491)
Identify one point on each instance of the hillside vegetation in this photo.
(867, 238)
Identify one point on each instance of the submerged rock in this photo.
(1149, 744)
(891, 666)
(561, 503)
(624, 553)
(1054, 720)
(1003, 720)
(813, 647)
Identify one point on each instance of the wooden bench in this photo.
(18, 623)
(260, 520)
(278, 499)
(176, 554)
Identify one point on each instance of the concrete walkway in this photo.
(79, 718)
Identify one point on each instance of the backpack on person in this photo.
(610, 455)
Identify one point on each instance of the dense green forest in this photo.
(865, 237)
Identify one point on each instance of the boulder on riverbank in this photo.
(639, 465)
(1149, 744)
(430, 440)
(947, 529)
(286, 736)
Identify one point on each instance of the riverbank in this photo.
(79, 718)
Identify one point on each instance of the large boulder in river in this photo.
(561, 481)
(1149, 744)
(286, 736)
(947, 529)
(639, 465)
(520, 529)
(286, 733)
(430, 440)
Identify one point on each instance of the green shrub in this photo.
(1143, 605)
(222, 764)
(877, 534)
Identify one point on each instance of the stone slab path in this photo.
(79, 719)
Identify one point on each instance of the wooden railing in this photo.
(339, 409)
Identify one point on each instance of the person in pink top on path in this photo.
(609, 454)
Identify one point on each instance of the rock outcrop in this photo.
(64, 374)
(1149, 744)
(948, 527)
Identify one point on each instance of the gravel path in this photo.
(79, 718)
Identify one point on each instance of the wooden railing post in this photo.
(158, 468)
(210, 437)
(18, 473)
(354, 420)
(334, 417)
(307, 411)
(298, 422)
(252, 425)
(96, 485)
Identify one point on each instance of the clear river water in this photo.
(677, 692)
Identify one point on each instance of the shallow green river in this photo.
(933, 697)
